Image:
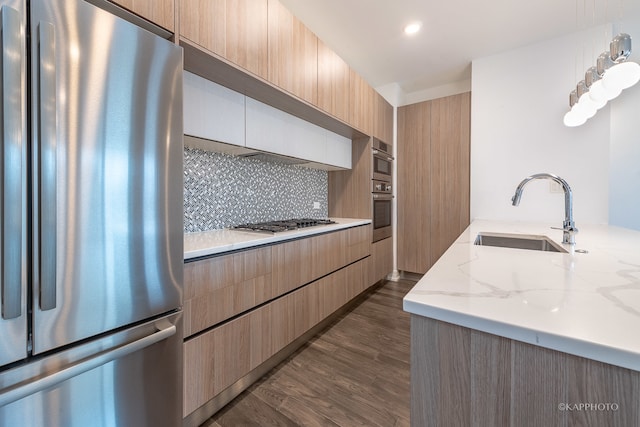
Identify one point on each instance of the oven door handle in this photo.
(382, 196)
(382, 156)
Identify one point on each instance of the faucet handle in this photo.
(571, 229)
(568, 234)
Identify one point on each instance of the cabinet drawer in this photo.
(218, 358)
(221, 287)
(224, 286)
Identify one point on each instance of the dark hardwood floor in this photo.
(354, 373)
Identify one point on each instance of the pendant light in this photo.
(574, 117)
(597, 93)
(586, 106)
(604, 82)
(622, 74)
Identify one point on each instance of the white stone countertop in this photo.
(586, 304)
(218, 241)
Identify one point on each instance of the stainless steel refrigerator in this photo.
(91, 232)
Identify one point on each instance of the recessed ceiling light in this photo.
(412, 28)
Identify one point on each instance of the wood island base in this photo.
(463, 377)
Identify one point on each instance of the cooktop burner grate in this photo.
(283, 225)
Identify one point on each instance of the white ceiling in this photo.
(368, 34)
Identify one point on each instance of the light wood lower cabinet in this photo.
(382, 258)
(464, 377)
(292, 264)
(277, 292)
(216, 359)
(221, 287)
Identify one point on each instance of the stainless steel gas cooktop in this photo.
(283, 225)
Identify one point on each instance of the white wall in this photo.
(436, 92)
(517, 105)
(624, 184)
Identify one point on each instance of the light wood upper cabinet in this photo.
(350, 190)
(383, 119)
(293, 54)
(233, 29)
(433, 179)
(361, 103)
(333, 83)
(160, 12)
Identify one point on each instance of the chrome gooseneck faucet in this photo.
(569, 229)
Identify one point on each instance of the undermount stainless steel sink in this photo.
(518, 241)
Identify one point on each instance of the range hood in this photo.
(251, 153)
(274, 158)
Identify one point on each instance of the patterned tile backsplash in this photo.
(221, 190)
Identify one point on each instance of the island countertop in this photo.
(586, 304)
(214, 242)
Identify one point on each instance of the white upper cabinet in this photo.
(215, 113)
(272, 130)
(338, 150)
(212, 111)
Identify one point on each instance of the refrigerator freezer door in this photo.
(13, 306)
(107, 161)
(131, 378)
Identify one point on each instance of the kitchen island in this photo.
(504, 336)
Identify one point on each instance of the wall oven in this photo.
(382, 161)
(382, 198)
(382, 209)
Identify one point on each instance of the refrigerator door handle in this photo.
(25, 389)
(47, 155)
(11, 174)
